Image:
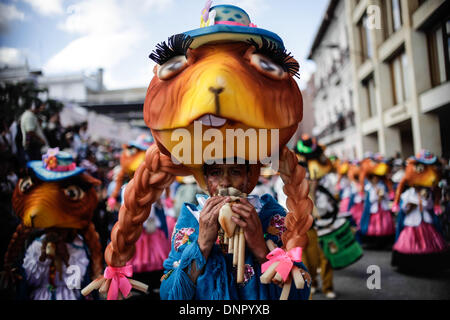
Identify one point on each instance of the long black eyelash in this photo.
(277, 55)
(176, 45)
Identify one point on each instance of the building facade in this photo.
(399, 53)
(333, 94)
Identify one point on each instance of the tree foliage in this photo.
(15, 98)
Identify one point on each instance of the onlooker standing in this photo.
(33, 139)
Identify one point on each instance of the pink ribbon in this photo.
(119, 281)
(286, 260)
(234, 23)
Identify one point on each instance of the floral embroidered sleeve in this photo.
(176, 284)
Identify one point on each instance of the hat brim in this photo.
(47, 175)
(138, 146)
(220, 32)
(426, 161)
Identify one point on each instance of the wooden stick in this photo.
(94, 285)
(105, 287)
(230, 244)
(139, 285)
(267, 276)
(236, 246)
(271, 245)
(241, 256)
(286, 289)
(298, 278)
(277, 278)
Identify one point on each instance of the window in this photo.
(365, 38)
(439, 52)
(400, 79)
(393, 13)
(369, 86)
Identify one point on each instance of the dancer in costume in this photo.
(131, 157)
(377, 223)
(344, 188)
(55, 202)
(419, 244)
(356, 202)
(227, 75)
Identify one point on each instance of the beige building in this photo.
(399, 51)
(334, 124)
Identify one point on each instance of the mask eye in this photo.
(132, 151)
(171, 68)
(420, 168)
(25, 184)
(74, 193)
(267, 67)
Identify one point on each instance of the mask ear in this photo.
(90, 180)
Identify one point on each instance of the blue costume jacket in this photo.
(218, 280)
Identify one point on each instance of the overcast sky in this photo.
(68, 36)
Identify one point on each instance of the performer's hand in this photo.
(253, 231)
(111, 204)
(209, 224)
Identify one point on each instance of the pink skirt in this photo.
(423, 239)
(151, 251)
(343, 206)
(357, 211)
(381, 224)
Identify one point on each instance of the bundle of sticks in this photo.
(271, 275)
(233, 234)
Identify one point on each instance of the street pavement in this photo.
(350, 283)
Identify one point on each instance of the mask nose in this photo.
(216, 91)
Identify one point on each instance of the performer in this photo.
(131, 157)
(210, 273)
(55, 202)
(226, 75)
(356, 202)
(377, 223)
(344, 188)
(419, 243)
(311, 154)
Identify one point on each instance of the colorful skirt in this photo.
(381, 224)
(357, 210)
(151, 251)
(423, 239)
(343, 206)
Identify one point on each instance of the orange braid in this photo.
(156, 173)
(16, 245)
(93, 242)
(299, 219)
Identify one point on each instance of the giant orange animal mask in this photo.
(222, 86)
